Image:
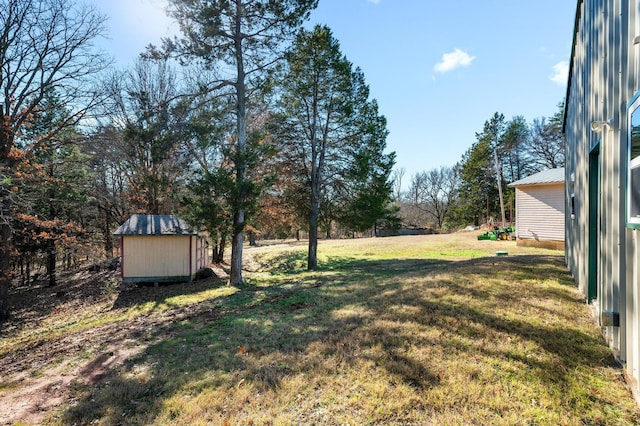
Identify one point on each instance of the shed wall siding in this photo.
(540, 212)
(604, 78)
(156, 256)
(199, 257)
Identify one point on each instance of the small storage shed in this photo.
(540, 209)
(160, 248)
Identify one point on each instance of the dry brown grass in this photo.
(412, 330)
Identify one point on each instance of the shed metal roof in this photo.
(148, 224)
(542, 178)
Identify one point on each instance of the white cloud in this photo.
(560, 73)
(375, 1)
(452, 60)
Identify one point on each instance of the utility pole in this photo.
(499, 179)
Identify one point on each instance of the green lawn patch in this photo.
(388, 331)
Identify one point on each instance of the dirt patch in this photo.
(38, 376)
(29, 394)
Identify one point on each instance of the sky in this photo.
(438, 69)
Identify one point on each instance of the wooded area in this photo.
(245, 124)
(467, 192)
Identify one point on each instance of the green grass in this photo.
(428, 330)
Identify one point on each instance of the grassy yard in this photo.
(404, 330)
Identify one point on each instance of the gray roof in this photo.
(541, 178)
(148, 224)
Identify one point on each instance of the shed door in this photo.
(594, 222)
(156, 256)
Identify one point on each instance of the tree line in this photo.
(467, 193)
(244, 124)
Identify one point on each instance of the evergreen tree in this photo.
(241, 39)
(333, 137)
(53, 181)
(370, 188)
(479, 199)
(512, 149)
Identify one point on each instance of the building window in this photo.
(572, 188)
(633, 169)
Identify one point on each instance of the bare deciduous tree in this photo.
(546, 146)
(45, 45)
(150, 113)
(396, 178)
(434, 192)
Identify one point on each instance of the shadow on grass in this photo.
(263, 335)
(139, 294)
(31, 304)
(287, 262)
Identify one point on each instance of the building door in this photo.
(594, 221)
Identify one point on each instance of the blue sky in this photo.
(439, 69)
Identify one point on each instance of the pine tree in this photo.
(333, 137)
(242, 39)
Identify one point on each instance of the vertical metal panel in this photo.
(605, 76)
(630, 317)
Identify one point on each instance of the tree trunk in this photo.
(312, 256)
(5, 251)
(218, 253)
(108, 239)
(235, 277)
(218, 250)
(51, 262)
(6, 143)
(488, 210)
(51, 244)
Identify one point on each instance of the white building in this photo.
(540, 209)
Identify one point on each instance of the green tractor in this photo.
(502, 234)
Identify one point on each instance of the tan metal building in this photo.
(160, 248)
(540, 209)
(602, 131)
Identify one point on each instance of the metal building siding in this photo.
(604, 78)
(540, 212)
(156, 256)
